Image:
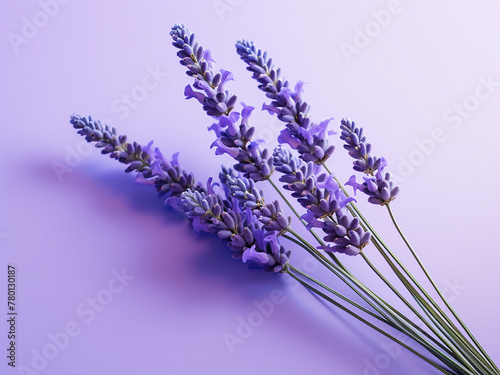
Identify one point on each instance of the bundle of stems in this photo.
(259, 232)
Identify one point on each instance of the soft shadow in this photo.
(210, 259)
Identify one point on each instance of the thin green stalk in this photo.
(337, 294)
(368, 311)
(445, 301)
(404, 300)
(381, 304)
(436, 319)
(423, 291)
(355, 211)
(343, 308)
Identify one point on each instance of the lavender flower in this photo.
(380, 188)
(255, 163)
(359, 149)
(233, 139)
(199, 63)
(206, 210)
(324, 201)
(210, 213)
(244, 190)
(301, 133)
(168, 177)
(378, 185)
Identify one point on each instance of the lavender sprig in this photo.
(308, 138)
(249, 197)
(379, 185)
(324, 201)
(380, 188)
(255, 163)
(168, 177)
(199, 63)
(236, 140)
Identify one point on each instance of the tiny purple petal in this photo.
(190, 93)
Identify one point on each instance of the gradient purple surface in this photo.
(69, 233)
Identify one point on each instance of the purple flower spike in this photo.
(359, 149)
(168, 178)
(200, 65)
(236, 140)
(346, 235)
(301, 133)
(379, 188)
(249, 198)
(244, 236)
(378, 185)
(273, 259)
(324, 200)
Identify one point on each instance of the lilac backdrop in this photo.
(422, 78)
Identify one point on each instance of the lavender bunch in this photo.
(199, 63)
(294, 111)
(168, 177)
(308, 138)
(236, 210)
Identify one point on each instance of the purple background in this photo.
(66, 234)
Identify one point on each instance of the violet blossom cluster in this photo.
(199, 63)
(308, 138)
(325, 203)
(244, 234)
(250, 198)
(168, 177)
(233, 138)
(378, 185)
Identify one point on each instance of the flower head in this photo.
(378, 185)
(209, 86)
(169, 179)
(324, 201)
(308, 138)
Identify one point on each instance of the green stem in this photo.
(445, 301)
(345, 309)
(355, 212)
(334, 292)
(448, 337)
(354, 283)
